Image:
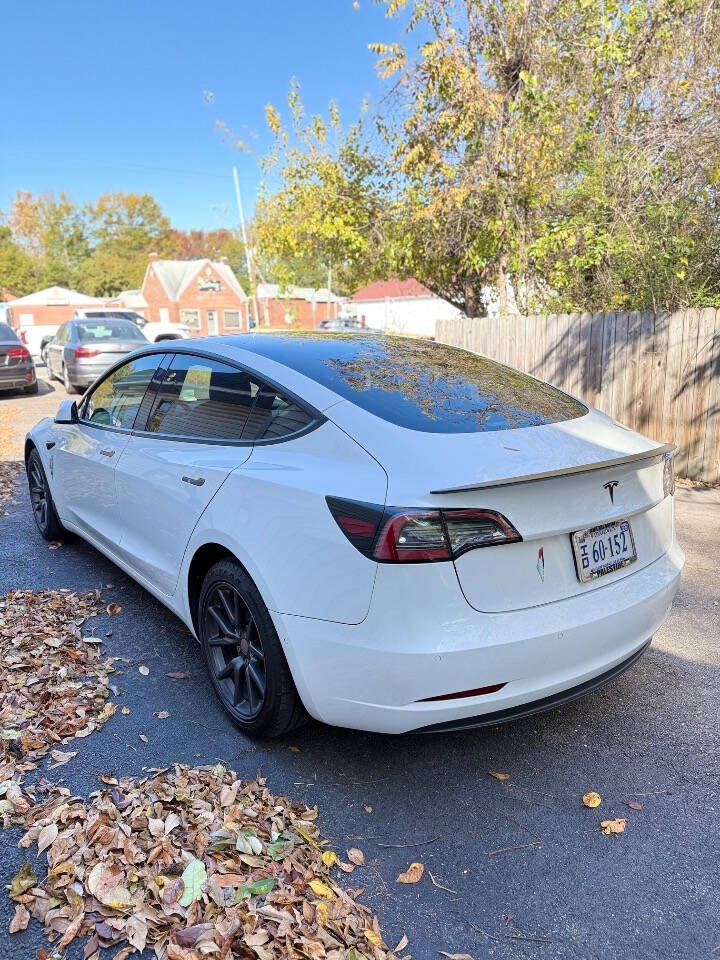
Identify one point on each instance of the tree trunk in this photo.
(502, 284)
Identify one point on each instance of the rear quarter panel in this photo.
(272, 514)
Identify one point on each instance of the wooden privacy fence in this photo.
(657, 373)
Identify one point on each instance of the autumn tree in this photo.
(563, 151)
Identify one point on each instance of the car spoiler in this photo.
(653, 454)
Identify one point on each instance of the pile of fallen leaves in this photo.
(53, 684)
(193, 862)
(9, 474)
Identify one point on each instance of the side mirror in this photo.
(67, 412)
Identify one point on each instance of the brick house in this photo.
(299, 308)
(204, 294)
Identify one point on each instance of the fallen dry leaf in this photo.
(455, 956)
(55, 544)
(9, 474)
(634, 805)
(162, 714)
(20, 920)
(591, 799)
(498, 775)
(413, 874)
(177, 878)
(178, 675)
(61, 757)
(125, 711)
(143, 670)
(367, 808)
(143, 737)
(53, 686)
(113, 609)
(401, 944)
(613, 826)
(356, 856)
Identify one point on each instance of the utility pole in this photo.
(248, 260)
(327, 312)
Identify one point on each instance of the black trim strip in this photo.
(537, 706)
(318, 418)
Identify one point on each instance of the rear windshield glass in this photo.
(420, 384)
(6, 332)
(108, 330)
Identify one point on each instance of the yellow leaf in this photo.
(413, 874)
(330, 858)
(498, 775)
(373, 938)
(321, 889)
(592, 799)
(322, 914)
(613, 826)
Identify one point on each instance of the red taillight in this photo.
(395, 535)
(19, 352)
(413, 536)
(81, 352)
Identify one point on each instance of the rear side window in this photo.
(419, 384)
(274, 416)
(204, 399)
(116, 400)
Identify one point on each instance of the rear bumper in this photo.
(82, 374)
(16, 378)
(421, 639)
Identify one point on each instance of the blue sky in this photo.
(109, 96)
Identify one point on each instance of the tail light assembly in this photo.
(19, 353)
(402, 535)
(669, 475)
(85, 352)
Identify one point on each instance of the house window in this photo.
(232, 319)
(191, 318)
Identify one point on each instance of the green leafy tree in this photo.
(18, 270)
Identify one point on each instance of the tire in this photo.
(33, 388)
(69, 387)
(43, 505)
(242, 652)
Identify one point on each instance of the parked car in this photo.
(385, 533)
(346, 325)
(81, 350)
(155, 330)
(17, 370)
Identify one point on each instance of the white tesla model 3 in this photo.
(389, 534)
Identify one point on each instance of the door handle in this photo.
(107, 453)
(195, 481)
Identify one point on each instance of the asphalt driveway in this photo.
(528, 872)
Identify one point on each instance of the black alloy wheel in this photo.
(237, 656)
(244, 656)
(43, 507)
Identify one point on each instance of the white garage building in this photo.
(402, 306)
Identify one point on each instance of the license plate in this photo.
(602, 549)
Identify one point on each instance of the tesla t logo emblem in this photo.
(610, 487)
(540, 566)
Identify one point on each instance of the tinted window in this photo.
(116, 400)
(273, 416)
(203, 398)
(95, 330)
(7, 332)
(420, 384)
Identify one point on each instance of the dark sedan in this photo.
(84, 349)
(17, 370)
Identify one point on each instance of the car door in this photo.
(54, 351)
(86, 453)
(170, 470)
